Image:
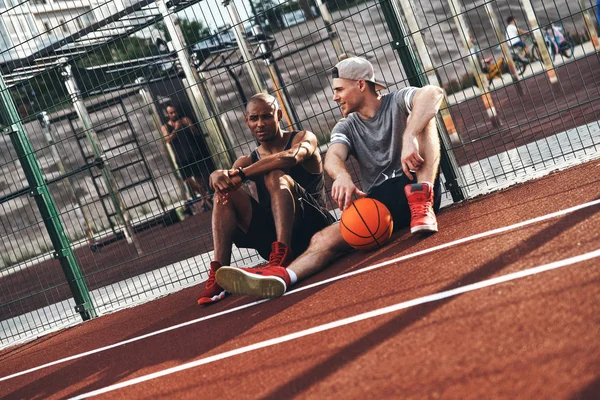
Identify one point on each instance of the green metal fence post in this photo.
(416, 78)
(63, 250)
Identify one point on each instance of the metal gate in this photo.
(126, 160)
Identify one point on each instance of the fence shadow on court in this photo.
(404, 320)
(180, 346)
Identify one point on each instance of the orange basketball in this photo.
(366, 224)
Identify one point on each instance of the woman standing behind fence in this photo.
(185, 138)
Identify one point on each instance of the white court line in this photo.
(346, 275)
(347, 321)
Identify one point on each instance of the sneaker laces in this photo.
(276, 258)
(420, 208)
(212, 280)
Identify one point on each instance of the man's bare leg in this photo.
(283, 204)
(429, 148)
(420, 197)
(226, 217)
(325, 246)
(273, 281)
(228, 214)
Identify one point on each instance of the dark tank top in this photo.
(314, 184)
(185, 143)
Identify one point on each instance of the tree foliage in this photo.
(193, 31)
(124, 49)
(267, 13)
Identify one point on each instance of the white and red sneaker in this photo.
(420, 202)
(213, 292)
(266, 282)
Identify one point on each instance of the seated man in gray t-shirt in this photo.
(378, 142)
(395, 141)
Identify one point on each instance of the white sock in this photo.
(293, 277)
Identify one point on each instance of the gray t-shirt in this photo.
(377, 142)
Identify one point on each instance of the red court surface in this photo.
(532, 336)
(534, 115)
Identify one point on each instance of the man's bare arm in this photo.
(188, 122)
(335, 161)
(425, 105)
(303, 147)
(223, 181)
(343, 187)
(168, 137)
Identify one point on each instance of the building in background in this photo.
(27, 26)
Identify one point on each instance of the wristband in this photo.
(242, 174)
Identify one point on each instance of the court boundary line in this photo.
(347, 321)
(316, 284)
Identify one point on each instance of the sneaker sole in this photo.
(240, 282)
(424, 229)
(211, 300)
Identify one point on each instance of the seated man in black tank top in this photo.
(288, 173)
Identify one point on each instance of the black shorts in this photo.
(261, 232)
(391, 194)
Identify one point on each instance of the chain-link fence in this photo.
(97, 210)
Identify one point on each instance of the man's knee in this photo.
(237, 199)
(329, 238)
(315, 240)
(277, 180)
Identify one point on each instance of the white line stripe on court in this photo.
(450, 244)
(372, 267)
(347, 321)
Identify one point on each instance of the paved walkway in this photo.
(535, 68)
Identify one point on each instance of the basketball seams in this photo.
(361, 212)
(371, 234)
(352, 232)
(378, 224)
(368, 246)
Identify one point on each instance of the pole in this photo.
(209, 94)
(256, 79)
(539, 39)
(215, 140)
(63, 250)
(503, 46)
(413, 26)
(330, 27)
(148, 100)
(482, 82)
(283, 96)
(448, 163)
(589, 25)
(99, 155)
(83, 219)
(238, 85)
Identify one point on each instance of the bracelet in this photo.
(242, 174)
